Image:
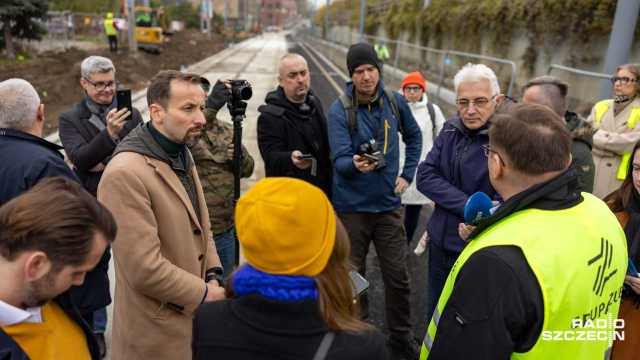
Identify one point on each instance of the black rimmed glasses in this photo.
(102, 86)
(412, 88)
(623, 80)
(488, 150)
(481, 102)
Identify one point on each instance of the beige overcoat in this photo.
(161, 254)
(610, 141)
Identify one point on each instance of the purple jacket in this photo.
(455, 168)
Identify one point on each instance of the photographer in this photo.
(213, 156)
(367, 188)
(292, 128)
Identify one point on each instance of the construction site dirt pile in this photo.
(56, 74)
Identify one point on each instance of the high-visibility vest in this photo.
(581, 277)
(109, 28)
(601, 108)
(382, 52)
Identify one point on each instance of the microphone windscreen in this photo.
(478, 207)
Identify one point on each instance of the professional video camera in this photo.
(371, 150)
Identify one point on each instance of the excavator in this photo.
(151, 28)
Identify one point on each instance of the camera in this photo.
(371, 147)
(240, 89)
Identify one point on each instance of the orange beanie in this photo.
(415, 78)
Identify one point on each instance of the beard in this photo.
(40, 292)
(191, 140)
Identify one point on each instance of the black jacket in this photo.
(86, 146)
(283, 128)
(256, 327)
(26, 159)
(496, 291)
(10, 350)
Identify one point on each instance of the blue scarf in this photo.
(280, 287)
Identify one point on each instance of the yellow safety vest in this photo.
(601, 108)
(109, 28)
(581, 279)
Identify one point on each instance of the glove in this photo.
(219, 96)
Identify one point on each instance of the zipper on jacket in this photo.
(464, 152)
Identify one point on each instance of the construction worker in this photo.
(111, 29)
(383, 54)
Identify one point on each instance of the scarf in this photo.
(98, 117)
(620, 102)
(248, 280)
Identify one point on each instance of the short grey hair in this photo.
(553, 92)
(289, 56)
(19, 103)
(96, 64)
(475, 73)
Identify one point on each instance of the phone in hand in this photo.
(304, 157)
(359, 285)
(631, 271)
(371, 157)
(123, 98)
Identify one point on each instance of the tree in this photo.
(20, 20)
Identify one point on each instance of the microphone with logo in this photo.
(478, 207)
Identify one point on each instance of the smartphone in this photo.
(371, 157)
(631, 271)
(305, 157)
(123, 98)
(359, 285)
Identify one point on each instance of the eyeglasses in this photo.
(412, 88)
(482, 102)
(488, 150)
(623, 80)
(100, 86)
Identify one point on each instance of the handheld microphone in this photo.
(478, 207)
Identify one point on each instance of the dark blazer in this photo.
(10, 350)
(256, 327)
(86, 146)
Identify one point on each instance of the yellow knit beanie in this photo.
(286, 226)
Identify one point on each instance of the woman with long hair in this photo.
(625, 204)
(293, 299)
(617, 129)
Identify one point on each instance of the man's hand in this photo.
(300, 164)
(116, 120)
(364, 164)
(401, 186)
(230, 151)
(215, 291)
(220, 95)
(464, 230)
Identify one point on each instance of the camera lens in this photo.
(243, 92)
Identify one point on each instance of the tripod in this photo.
(237, 110)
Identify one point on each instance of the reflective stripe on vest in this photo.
(581, 279)
(109, 28)
(601, 108)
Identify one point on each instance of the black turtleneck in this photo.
(170, 147)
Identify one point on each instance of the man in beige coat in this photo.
(165, 260)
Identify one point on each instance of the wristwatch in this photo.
(215, 276)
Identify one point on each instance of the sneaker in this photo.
(101, 345)
(411, 346)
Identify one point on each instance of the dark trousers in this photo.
(440, 265)
(386, 231)
(411, 219)
(113, 44)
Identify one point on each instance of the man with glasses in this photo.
(544, 268)
(455, 169)
(90, 132)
